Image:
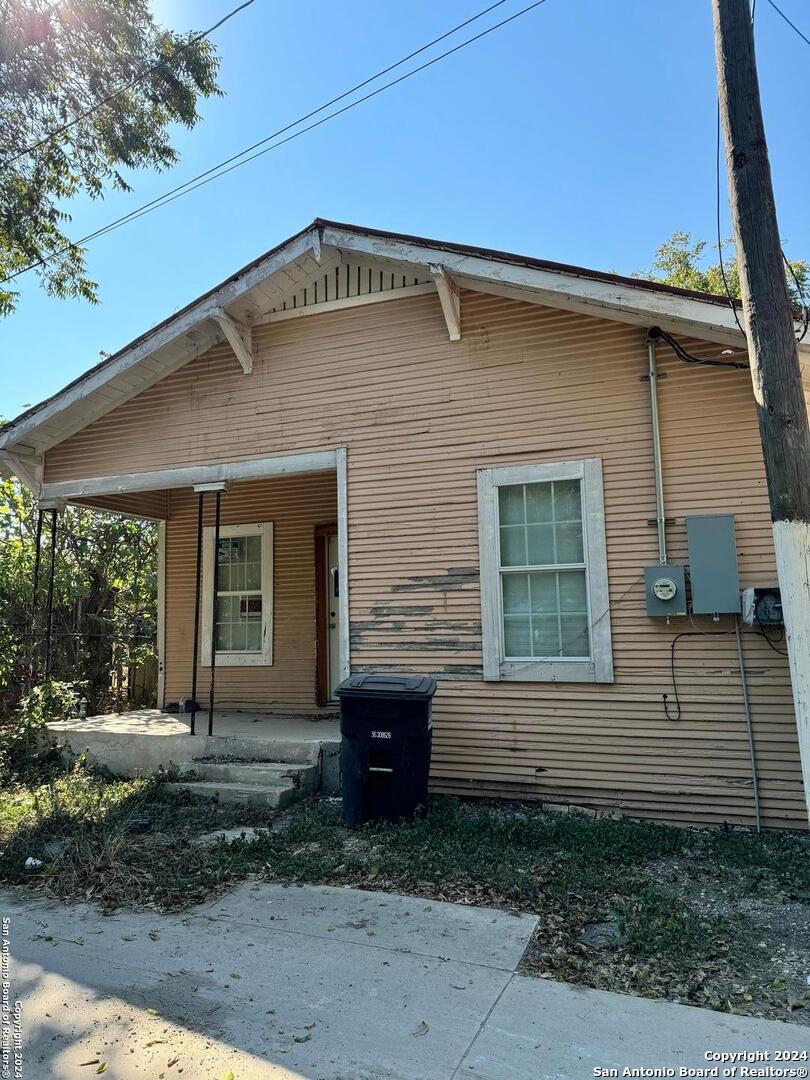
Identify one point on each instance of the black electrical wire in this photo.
(674, 719)
(656, 333)
(800, 294)
(763, 633)
(126, 86)
(206, 176)
(673, 643)
(793, 26)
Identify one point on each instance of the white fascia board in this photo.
(556, 288)
(191, 475)
(199, 312)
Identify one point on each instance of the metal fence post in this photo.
(194, 659)
(214, 614)
(49, 601)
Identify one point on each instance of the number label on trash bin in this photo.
(381, 734)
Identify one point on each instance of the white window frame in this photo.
(598, 668)
(237, 659)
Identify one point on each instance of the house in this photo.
(436, 458)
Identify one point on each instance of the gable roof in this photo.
(281, 276)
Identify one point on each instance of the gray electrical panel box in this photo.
(713, 564)
(665, 589)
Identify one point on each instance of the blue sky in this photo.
(583, 132)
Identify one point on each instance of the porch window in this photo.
(543, 569)
(241, 612)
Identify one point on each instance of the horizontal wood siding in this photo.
(295, 505)
(419, 415)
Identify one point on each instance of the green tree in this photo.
(57, 62)
(685, 262)
(105, 596)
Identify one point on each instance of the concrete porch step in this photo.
(261, 773)
(273, 796)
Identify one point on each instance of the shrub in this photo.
(51, 701)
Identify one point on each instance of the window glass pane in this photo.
(510, 502)
(569, 542)
(545, 636)
(575, 640)
(515, 593)
(538, 502)
(517, 635)
(541, 545)
(544, 591)
(254, 636)
(513, 545)
(250, 607)
(567, 500)
(573, 594)
(239, 636)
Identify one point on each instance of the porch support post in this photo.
(49, 602)
(32, 642)
(214, 616)
(200, 497)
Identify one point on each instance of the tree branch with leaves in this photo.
(58, 61)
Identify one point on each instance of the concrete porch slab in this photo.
(154, 722)
(143, 741)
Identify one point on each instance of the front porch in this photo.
(142, 742)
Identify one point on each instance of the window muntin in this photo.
(544, 609)
(543, 563)
(239, 594)
(238, 621)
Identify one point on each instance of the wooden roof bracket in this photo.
(450, 299)
(238, 335)
(28, 468)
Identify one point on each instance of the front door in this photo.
(332, 594)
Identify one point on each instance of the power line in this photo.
(126, 86)
(233, 162)
(792, 25)
(169, 196)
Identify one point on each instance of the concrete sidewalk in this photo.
(315, 983)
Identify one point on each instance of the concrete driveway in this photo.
(315, 983)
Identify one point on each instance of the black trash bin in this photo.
(386, 730)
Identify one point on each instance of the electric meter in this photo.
(664, 588)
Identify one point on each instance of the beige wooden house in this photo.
(441, 459)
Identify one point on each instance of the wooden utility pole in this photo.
(772, 347)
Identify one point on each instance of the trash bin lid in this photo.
(383, 685)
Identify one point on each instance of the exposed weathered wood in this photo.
(403, 293)
(191, 475)
(775, 370)
(27, 469)
(187, 322)
(450, 300)
(238, 336)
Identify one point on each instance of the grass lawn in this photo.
(717, 918)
